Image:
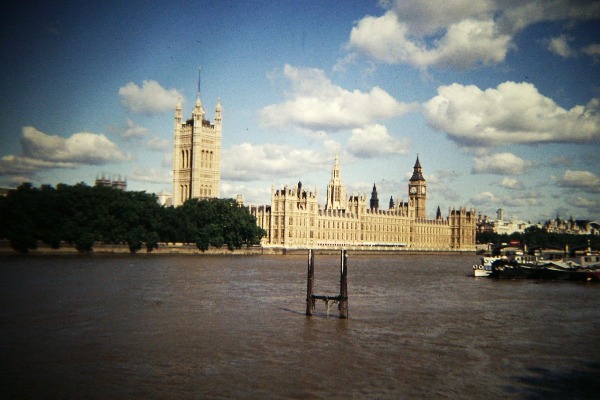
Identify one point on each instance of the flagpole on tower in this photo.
(199, 79)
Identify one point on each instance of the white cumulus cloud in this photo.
(584, 202)
(484, 198)
(151, 175)
(81, 148)
(249, 162)
(150, 98)
(500, 164)
(511, 183)
(159, 144)
(523, 200)
(465, 44)
(250, 195)
(316, 103)
(512, 113)
(133, 130)
(19, 165)
(593, 50)
(41, 151)
(560, 46)
(584, 180)
(459, 33)
(374, 141)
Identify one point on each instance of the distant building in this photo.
(510, 226)
(500, 225)
(196, 155)
(500, 214)
(557, 225)
(164, 198)
(294, 219)
(239, 200)
(116, 183)
(571, 226)
(484, 224)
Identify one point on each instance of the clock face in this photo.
(423, 189)
(413, 189)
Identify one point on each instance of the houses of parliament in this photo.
(295, 219)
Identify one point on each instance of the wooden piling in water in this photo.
(310, 301)
(343, 304)
(341, 299)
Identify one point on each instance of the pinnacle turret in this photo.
(374, 200)
(417, 173)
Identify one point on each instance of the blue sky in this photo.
(500, 99)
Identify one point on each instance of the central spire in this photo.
(335, 172)
(198, 109)
(336, 192)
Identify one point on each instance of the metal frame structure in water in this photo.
(341, 299)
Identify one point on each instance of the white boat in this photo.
(590, 260)
(485, 267)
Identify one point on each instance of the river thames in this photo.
(177, 326)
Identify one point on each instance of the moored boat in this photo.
(515, 268)
(532, 267)
(590, 261)
(484, 268)
(558, 270)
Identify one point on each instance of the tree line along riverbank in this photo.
(81, 217)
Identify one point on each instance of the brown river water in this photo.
(154, 326)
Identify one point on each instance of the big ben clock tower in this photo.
(417, 190)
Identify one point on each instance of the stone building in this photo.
(296, 220)
(197, 155)
(116, 183)
(572, 226)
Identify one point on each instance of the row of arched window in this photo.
(206, 159)
(185, 192)
(185, 159)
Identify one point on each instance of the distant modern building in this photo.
(500, 214)
(196, 154)
(116, 183)
(510, 226)
(500, 225)
(294, 219)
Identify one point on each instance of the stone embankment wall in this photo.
(183, 248)
(163, 248)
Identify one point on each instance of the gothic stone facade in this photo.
(296, 220)
(197, 155)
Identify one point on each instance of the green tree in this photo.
(85, 242)
(18, 218)
(152, 240)
(84, 215)
(218, 222)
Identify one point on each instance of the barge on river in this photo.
(534, 267)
